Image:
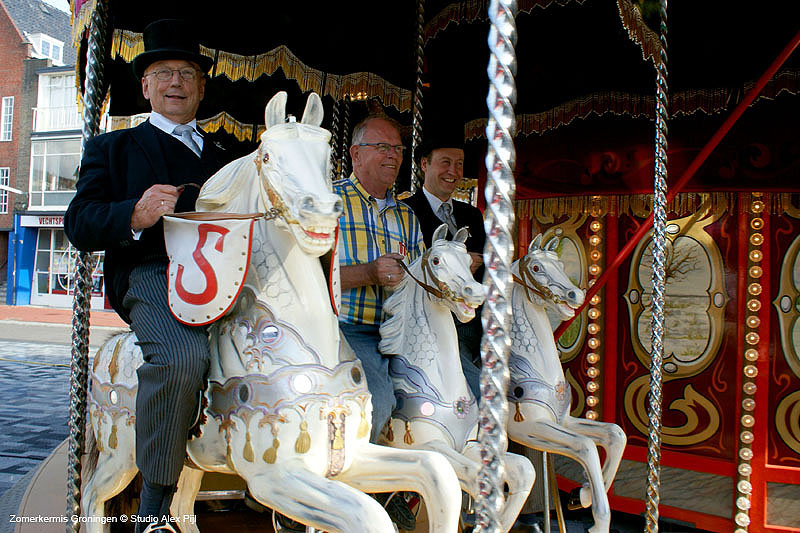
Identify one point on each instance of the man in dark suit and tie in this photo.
(442, 162)
(128, 180)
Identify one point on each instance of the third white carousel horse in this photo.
(435, 407)
(287, 410)
(538, 388)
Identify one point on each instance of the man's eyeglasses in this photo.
(383, 148)
(165, 74)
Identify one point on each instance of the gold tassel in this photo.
(407, 438)
(272, 452)
(99, 440)
(338, 441)
(247, 453)
(518, 414)
(390, 432)
(363, 426)
(112, 438)
(303, 442)
(228, 459)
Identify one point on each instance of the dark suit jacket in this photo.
(465, 215)
(116, 169)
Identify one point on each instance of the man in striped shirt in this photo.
(376, 230)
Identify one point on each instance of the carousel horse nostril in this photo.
(306, 204)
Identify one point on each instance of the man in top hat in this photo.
(442, 162)
(128, 180)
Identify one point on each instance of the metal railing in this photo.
(57, 118)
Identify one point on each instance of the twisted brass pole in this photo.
(498, 254)
(345, 155)
(336, 140)
(659, 283)
(93, 96)
(416, 124)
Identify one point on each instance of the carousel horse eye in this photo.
(435, 260)
(266, 157)
(518, 392)
(536, 268)
(244, 394)
(355, 373)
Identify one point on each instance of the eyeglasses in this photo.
(165, 74)
(383, 148)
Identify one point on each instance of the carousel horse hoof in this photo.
(574, 500)
(398, 511)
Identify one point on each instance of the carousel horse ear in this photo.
(552, 244)
(313, 112)
(461, 235)
(440, 233)
(536, 243)
(276, 110)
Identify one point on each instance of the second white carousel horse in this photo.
(287, 409)
(435, 407)
(538, 388)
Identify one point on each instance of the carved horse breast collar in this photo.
(526, 385)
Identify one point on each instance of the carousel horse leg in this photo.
(324, 504)
(611, 438)
(519, 478)
(383, 469)
(183, 501)
(111, 475)
(548, 436)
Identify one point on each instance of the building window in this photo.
(56, 106)
(5, 173)
(47, 47)
(55, 267)
(54, 167)
(7, 120)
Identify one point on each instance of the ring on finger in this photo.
(389, 277)
(162, 203)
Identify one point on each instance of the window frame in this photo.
(7, 119)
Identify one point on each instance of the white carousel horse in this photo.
(435, 407)
(287, 410)
(538, 387)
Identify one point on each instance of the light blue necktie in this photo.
(446, 215)
(184, 131)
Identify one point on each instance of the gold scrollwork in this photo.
(787, 420)
(684, 435)
(787, 304)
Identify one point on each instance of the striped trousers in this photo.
(176, 359)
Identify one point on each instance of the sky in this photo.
(63, 5)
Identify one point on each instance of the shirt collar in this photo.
(434, 202)
(168, 126)
(390, 200)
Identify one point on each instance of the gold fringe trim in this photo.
(247, 453)
(389, 432)
(127, 45)
(224, 121)
(228, 458)
(271, 455)
(303, 442)
(469, 11)
(639, 32)
(82, 20)
(546, 210)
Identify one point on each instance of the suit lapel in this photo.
(145, 136)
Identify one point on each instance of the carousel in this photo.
(641, 303)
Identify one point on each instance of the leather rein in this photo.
(535, 287)
(441, 290)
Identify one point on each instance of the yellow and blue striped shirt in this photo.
(365, 233)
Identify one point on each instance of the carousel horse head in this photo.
(292, 162)
(542, 276)
(445, 266)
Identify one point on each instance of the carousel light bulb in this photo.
(594, 240)
(758, 206)
(595, 226)
(756, 239)
(744, 486)
(756, 256)
(742, 519)
(592, 372)
(753, 321)
(748, 404)
(592, 358)
(594, 270)
(743, 503)
(753, 305)
(746, 437)
(750, 371)
(751, 338)
(749, 388)
(595, 255)
(595, 300)
(592, 386)
(591, 415)
(757, 223)
(751, 354)
(593, 329)
(594, 313)
(756, 272)
(591, 401)
(748, 421)
(746, 454)
(593, 343)
(754, 289)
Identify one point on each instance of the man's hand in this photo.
(156, 201)
(477, 261)
(382, 271)
(386, 270)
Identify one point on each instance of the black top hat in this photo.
(169, 39)
(440, 136)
